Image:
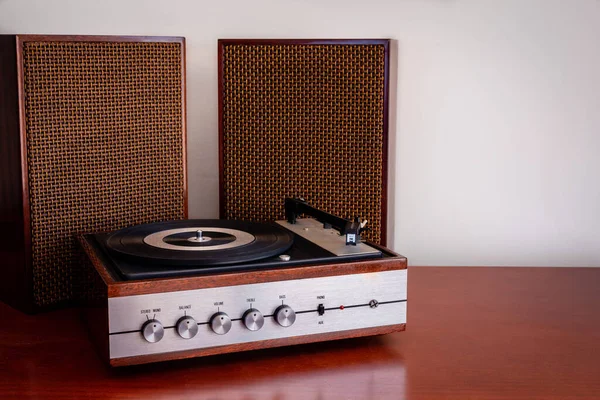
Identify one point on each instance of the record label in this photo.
(199, 239)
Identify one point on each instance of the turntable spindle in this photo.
(199, 238)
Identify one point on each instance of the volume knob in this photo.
(153, 331)
(220, 323)
(187, 327)
(253, 319)
(285, 316)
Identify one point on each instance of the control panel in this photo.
(202, 318)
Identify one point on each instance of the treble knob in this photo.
(253, 319)
(153, 330)
(285, 316)
(220, 323)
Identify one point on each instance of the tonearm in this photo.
(294, 207)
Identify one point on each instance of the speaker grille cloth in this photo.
(303, 120)
(104, 146)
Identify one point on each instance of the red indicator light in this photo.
(341, 307)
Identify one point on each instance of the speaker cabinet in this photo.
(92, 133)
(304, 118)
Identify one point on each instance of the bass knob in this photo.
(285, 316)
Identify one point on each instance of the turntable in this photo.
(190, 288)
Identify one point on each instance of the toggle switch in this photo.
(321, 309)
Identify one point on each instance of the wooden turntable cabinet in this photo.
(315, 281)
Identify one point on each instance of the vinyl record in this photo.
(199, 242)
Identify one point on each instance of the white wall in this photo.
(496, 148)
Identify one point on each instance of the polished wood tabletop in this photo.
(472, 333)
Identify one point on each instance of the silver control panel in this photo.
(202, 318)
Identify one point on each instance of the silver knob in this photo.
(220, 323)
(153, 331)
(187, 327)
(285, 316)
(253, 319)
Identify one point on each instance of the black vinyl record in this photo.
(200, 242)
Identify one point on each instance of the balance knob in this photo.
(153, 331)
(253, 319)
(285, 316)
(220, 323)
(187, 327)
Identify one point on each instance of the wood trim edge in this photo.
(25, 175)
(184, 126)
(149, 286)
(307, 41)
(220, 45)
(385, 151)
(98, 38)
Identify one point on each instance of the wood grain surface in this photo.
(472, 333)
(16, 284)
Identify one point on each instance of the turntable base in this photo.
(306, 295)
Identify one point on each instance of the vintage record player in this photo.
(188, 288)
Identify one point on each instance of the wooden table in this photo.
(472, 333)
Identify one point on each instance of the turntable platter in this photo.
(200, 242)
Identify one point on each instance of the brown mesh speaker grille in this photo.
(304, 120)
(105, 146)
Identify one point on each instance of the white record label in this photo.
(158, 239)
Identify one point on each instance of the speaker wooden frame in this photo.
(16, 285)
(222, 43)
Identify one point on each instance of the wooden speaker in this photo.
(304, 118)
(92, 131)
